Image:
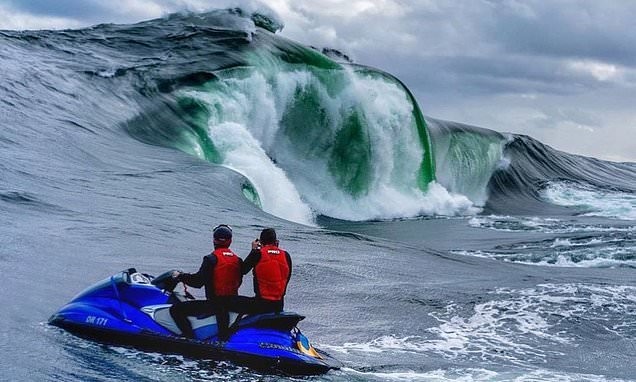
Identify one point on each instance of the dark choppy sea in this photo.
(423, 249)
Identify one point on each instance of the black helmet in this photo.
(222, 233)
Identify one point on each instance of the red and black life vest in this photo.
(226, 273)
(271, 273)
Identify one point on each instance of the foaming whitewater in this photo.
(480, 374)
(592, 201)
(239, 105)
(521, 326)
(560, 242)
(546, 225)
(359, 160)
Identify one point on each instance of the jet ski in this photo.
(132, 309)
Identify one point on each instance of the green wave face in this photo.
(350, 163)
(338, 140)
(250, 193)
(318, 129)
(427, 167)
(474, 159)
(466, 158)
(197, 115)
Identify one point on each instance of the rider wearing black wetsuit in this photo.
(220, 274)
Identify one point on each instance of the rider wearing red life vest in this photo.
(224, 274)
(271, 267)
(220, 274)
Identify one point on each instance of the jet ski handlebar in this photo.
(166, 281)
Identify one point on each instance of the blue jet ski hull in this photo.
(128, 312)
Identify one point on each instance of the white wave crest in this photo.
(594, 201)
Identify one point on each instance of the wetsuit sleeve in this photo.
(203, 276)
(289, 264)
(250, 261)
(241, 271)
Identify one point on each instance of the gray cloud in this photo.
(575, 29)
(562, 71)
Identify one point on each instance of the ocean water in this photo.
(424, 250)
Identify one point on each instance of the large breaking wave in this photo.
(310, 134)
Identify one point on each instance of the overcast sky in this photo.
(561, 71)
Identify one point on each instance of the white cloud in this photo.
(352, 9)
(328, 36)
(140, 9)
(10, 19)
(599, 70)
(114, 11)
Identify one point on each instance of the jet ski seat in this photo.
(204, 326)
